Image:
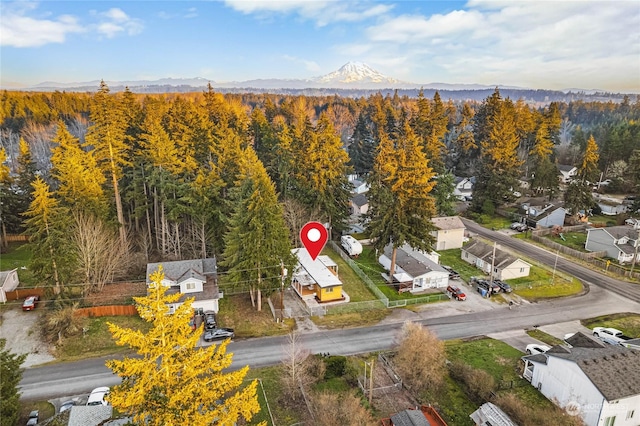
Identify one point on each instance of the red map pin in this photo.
(314, 236)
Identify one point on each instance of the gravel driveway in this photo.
(23, 337)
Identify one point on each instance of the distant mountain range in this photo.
(352, 79)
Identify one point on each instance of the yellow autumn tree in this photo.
(172, 382)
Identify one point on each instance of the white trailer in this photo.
(351, 245)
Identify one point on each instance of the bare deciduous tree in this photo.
(101, 255)
(421, 358)
(296, 215)
(297, 367)
(340, 409)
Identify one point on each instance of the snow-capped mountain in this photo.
(355, 73)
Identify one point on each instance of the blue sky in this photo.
(540, 44)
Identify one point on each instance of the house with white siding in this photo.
(449, 233)
(598, 382)
(9, 281)
(197, 279)
(620, 242)
(415, 271)
(485, 257)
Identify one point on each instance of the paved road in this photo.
(82, 376)
(628, 290)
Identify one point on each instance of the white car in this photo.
(535, 348)
(612, 336)
(97, 396)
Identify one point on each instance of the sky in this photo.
(539, 44)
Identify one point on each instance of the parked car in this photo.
(217, 334)
(503, 286)
(30, 303)
(209, 320)
(492, 288)
(65, 406)
(612, 336)
(453, 275)
(535, 348)
(33, 418)
(456, 293)
(98, 395)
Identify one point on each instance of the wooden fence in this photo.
(21, 293)
(104, 311)
(11, 238)
(568, 250)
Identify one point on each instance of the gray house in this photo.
(620, 242)
(415, 271)
(197, 279)
(484, 257)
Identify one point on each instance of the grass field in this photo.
(628, 323)
(18, 256)
(574, 240)
(544, 337)
(351, 283)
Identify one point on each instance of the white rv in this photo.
(351, 245)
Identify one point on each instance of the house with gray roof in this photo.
(620, 242)
(9, 281)
(599, 382)
(197, 279)
(415, 271)
(567, 172)
(485, 257)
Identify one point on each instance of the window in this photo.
(522, 270)
(609, 421)
(191, 286)
(329, 290)
(630, 414)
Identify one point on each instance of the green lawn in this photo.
(18, 256)
(544, 337)
(452, 258)
(237, 312)
(628, 323)
(351, 283)
(574, 240)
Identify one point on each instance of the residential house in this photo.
(196, 278)
(359, 204)
(450, 232)
(89, 415)
(490, 414)
(358, 186)
(567, 172)
(484, 257)
(425, 415)
(600, 383)
(635, 223)
(546, 217)
(463, 187)
(415, 271)
(611, 208)
(317, 279)
(620, 242)
(9, 281)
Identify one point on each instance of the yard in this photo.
(628, 323)
(18, 256)
(574, 240)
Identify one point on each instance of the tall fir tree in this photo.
(10, 375)
(257, 243)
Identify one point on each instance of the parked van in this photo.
(351, 245)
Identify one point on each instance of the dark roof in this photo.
(411, 263)
(409, 418)
(581, 340)
(618, 231)
(209, 291)
(485, 252)
(539, 358)
(612, 369)
(175, 270)
(547, 213)
(359, 200)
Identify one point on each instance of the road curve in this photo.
(623, 288)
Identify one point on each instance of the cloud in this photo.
(19, 30)
(507, 40)
(116, 21)
(309, 65)
(322, 12)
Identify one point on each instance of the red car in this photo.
(30, 303)
(456, 293)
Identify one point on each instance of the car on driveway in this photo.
(33, 418)
(453, 275)
(503, 286)
(209, 320)
(490, 287)
(612, 336)
(65, 406)
(535, 348)
(217, 334)
(98, 395)
(30, 303)
(456, 293)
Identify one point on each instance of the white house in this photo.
(359, 204)
(415, 271)
(620, 242)
(196, 278)
(505, 266)
(317, 279)
(8, 282)
(463, 187)
(545, 217)
(567, 172)
(450, 232)
(600, 383)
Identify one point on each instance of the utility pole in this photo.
(371, 382)
(553, 278)
(635, 256)
(281, 291)
(493, 262)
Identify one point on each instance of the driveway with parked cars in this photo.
(22, 332)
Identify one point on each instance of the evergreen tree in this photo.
(545, 172)
(10, 375)
(362, 146)
(588, 170)
(46, 226)
(172, 381)
(443, 194)
(107, 138)
(400, 201)
(257, 243)
(7, 198)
